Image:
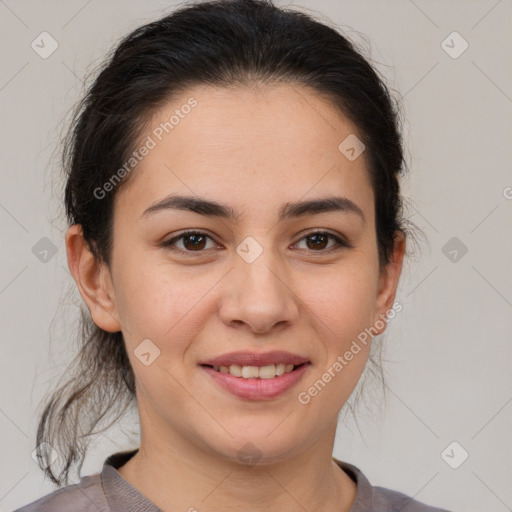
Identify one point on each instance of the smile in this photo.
(256, 383)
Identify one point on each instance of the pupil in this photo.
(316, 237)
(194, 244)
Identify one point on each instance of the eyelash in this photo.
(340, 243)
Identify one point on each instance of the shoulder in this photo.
(394, 501)
(86, 496)
(379, 499)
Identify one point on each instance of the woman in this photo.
(237, 236)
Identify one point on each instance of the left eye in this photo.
(319, 240)
(195, 241)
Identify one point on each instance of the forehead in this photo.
(248, 145)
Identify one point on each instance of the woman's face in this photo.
(255, 283)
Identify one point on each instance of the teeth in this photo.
(256, 372)
(266, 372)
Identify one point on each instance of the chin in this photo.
(257, 448)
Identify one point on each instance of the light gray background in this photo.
(449, 379)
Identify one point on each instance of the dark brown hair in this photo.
(221, 43)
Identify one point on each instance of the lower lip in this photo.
(257, 389)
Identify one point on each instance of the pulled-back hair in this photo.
(221, 43)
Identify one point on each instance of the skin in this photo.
(253, 149)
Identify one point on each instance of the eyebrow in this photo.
(287, 211)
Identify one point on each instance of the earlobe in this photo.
(388, 281)
(92, 278)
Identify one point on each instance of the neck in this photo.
(178, 475)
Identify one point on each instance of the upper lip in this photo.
(244, 358)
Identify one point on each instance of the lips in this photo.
(256, 359)
(256, 389)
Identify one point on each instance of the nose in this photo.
(258, 296)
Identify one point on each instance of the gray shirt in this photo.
(108, 491)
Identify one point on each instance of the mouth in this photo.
(256, 383)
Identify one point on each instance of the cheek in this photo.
(342, 309)
(342, 301)
(163, 305)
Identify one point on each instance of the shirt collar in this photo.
(123, 497)
(364, 494)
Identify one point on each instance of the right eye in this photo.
(193, 241)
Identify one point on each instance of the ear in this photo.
(388, 283)
(93, 280)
